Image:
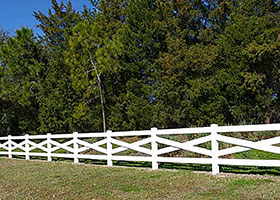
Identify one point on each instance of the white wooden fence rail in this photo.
(80, 145)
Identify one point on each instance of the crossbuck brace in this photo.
(77, 148)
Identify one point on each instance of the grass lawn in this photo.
(22, 179)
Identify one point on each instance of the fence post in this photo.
(215, 149)
(154, 148)
(76, 147)
(49, 147)
(26, 147)
(9, 146)
(109, 149)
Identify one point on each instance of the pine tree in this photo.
(86, 74)
(249, 62)
(21, 79)
(57, 95)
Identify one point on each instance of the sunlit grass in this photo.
(22, 179)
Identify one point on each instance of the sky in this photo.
(17, 13)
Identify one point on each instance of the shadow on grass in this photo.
(192, 167)
(275, 171)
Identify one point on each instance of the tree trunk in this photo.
(100, 94)
(101, 102)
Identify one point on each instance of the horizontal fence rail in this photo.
(152, 146)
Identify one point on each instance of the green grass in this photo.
(22, 179)
(257, 154)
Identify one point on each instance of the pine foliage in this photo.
(135, 64)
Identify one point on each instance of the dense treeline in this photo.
(135, 64)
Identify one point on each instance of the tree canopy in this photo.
(135, 64)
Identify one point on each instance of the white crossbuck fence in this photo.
(107, 146)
